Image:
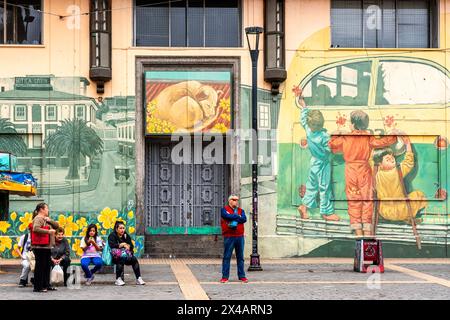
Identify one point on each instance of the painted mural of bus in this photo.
(402, 95)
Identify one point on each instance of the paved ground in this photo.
(283, 279)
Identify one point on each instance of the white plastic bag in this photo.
(57, 275)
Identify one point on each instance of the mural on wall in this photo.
(75, 226)
(187, 101)
(361, 153)
(76, 146)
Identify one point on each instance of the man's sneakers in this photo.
(119, 282)
(139, 281)
(243, 280)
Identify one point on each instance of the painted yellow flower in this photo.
(131, 230)
(107, 217)
(13, 216)
(4, 226)
(14, 252)
(26, 220)
(99, 227)
(5, 243)
(76, 248)
(130, 215)
(81, 223)
(103, 232)
(68, 224)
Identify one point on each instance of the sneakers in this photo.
(140, 281)
(244, 280)
(119, 282)
(89, 280)
(223, 280)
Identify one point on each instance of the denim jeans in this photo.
(230, 243)
(85, 262)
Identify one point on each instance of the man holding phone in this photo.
(233, 219)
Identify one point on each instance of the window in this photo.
(188, 23)
(80, 112)
(49, 132)
(20, 22)
(264, 116)
(22, 132)
(344, 85)
(384, 24)
(37, 141)
(409, 83)
(20, 112)
(50, 112)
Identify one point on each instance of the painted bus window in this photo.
(342, 85)
(411, 83)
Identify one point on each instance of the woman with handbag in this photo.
(122, 254)
(42, 241)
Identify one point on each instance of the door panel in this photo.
(182, 196)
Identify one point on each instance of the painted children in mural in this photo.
(319, 179)
(92, 246)
(357, 148)
(390, 187)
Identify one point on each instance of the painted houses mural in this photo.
(77, 149)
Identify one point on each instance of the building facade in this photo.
(140, 110)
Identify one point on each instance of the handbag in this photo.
(106, 255)
(121, 254)
(40, 239)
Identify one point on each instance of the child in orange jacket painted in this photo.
(357, 148)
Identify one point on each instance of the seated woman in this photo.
(122, 251)
(92, 246)
(61, 253)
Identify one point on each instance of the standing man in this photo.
(233, 219)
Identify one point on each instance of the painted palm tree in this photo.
(74, 139)
(10, 140)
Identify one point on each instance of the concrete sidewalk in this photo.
(281, 279)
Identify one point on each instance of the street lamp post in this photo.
(253, 34)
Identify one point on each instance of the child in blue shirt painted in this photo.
(319, 179)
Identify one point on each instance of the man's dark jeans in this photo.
(230, 243)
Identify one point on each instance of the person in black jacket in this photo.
(120, 240)
(61, 253)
